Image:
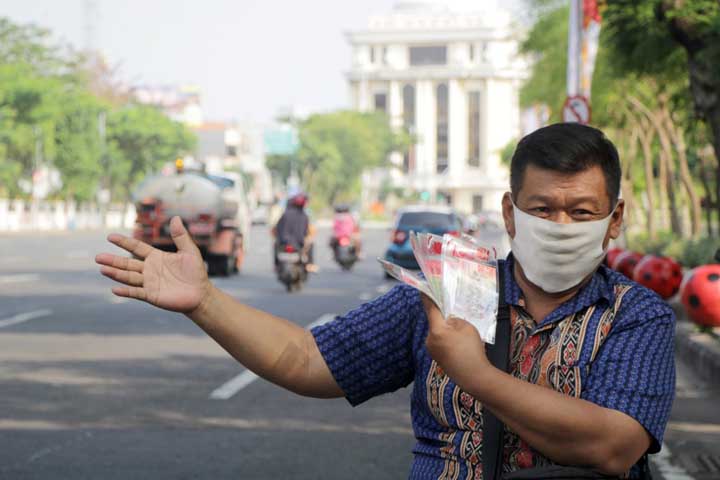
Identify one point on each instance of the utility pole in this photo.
(104, 193)
(90, 12)
(37, 160)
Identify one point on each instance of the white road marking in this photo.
(321, 320)
(666, 468)
(19, 278)
(24, 317)
(234, 385)
(231, 387)
(118, 300)
(365, 296)
(384, 288)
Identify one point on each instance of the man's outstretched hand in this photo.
(173, 281)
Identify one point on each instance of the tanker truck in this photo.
(212, 207)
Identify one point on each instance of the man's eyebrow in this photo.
(577, 200)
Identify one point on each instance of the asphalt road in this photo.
(93, 386)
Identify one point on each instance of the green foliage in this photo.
(507, 152)
(50, 115)
(640, 57)
(665, 244)
(638, 41)
(700, 251)
(547, 44)
(334, 150)
(140, 140)
(78, 145)
(690, 253)
(32, 46)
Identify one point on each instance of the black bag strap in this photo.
(499, 356)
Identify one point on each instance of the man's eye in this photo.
(583, 213)
(540, 209)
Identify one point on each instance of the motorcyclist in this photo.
(345, 225)
(294, 229)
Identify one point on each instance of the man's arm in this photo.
(276, 349)
(567, 430)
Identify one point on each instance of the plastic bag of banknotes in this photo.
(459, 275)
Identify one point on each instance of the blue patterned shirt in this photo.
(611, 344)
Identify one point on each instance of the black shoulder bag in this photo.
(493, 428)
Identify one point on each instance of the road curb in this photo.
(701, 351)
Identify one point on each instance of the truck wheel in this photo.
(225, 265)
(220, 265)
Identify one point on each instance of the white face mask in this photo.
(557, 256)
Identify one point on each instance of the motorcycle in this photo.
(291, 270)
(345, 253)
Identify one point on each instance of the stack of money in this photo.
(458, 274)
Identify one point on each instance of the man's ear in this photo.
(508, 215)
(617, 220)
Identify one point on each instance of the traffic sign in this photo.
(577, 109)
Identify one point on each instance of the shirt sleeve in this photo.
(369, 350)
(634, 371)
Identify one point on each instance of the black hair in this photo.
(567, 148)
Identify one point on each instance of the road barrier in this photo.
(23, 216)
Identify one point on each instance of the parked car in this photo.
(437, 220)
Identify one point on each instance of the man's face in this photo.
(564, 198)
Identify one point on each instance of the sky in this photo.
(250, 58)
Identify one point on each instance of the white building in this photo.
(236, 147)
(180, 103)
(450, 75)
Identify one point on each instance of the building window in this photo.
(384, 55)
(473, 154)
(431, 55)
(381, 102)
(408, 95)
(441, 96)
(231, 151)
(372, 54)
(484, 52)
(477, 203)
(472, 53)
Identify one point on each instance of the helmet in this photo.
(342, 208)
(299, 200)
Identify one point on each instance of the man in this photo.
(294, 229)
(592, 373)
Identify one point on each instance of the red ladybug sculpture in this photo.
(701, 295)
(612, 255)
(660, 274)
(625, 263)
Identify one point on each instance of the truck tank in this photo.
(189, 195)
(212, 208)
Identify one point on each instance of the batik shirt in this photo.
(611, 344)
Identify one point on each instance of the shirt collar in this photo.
(598, 288)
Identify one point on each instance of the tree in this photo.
(336, 147)
(51, 101)
(33, 46)
(646, 111)
(648, 36)
(140, 139)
